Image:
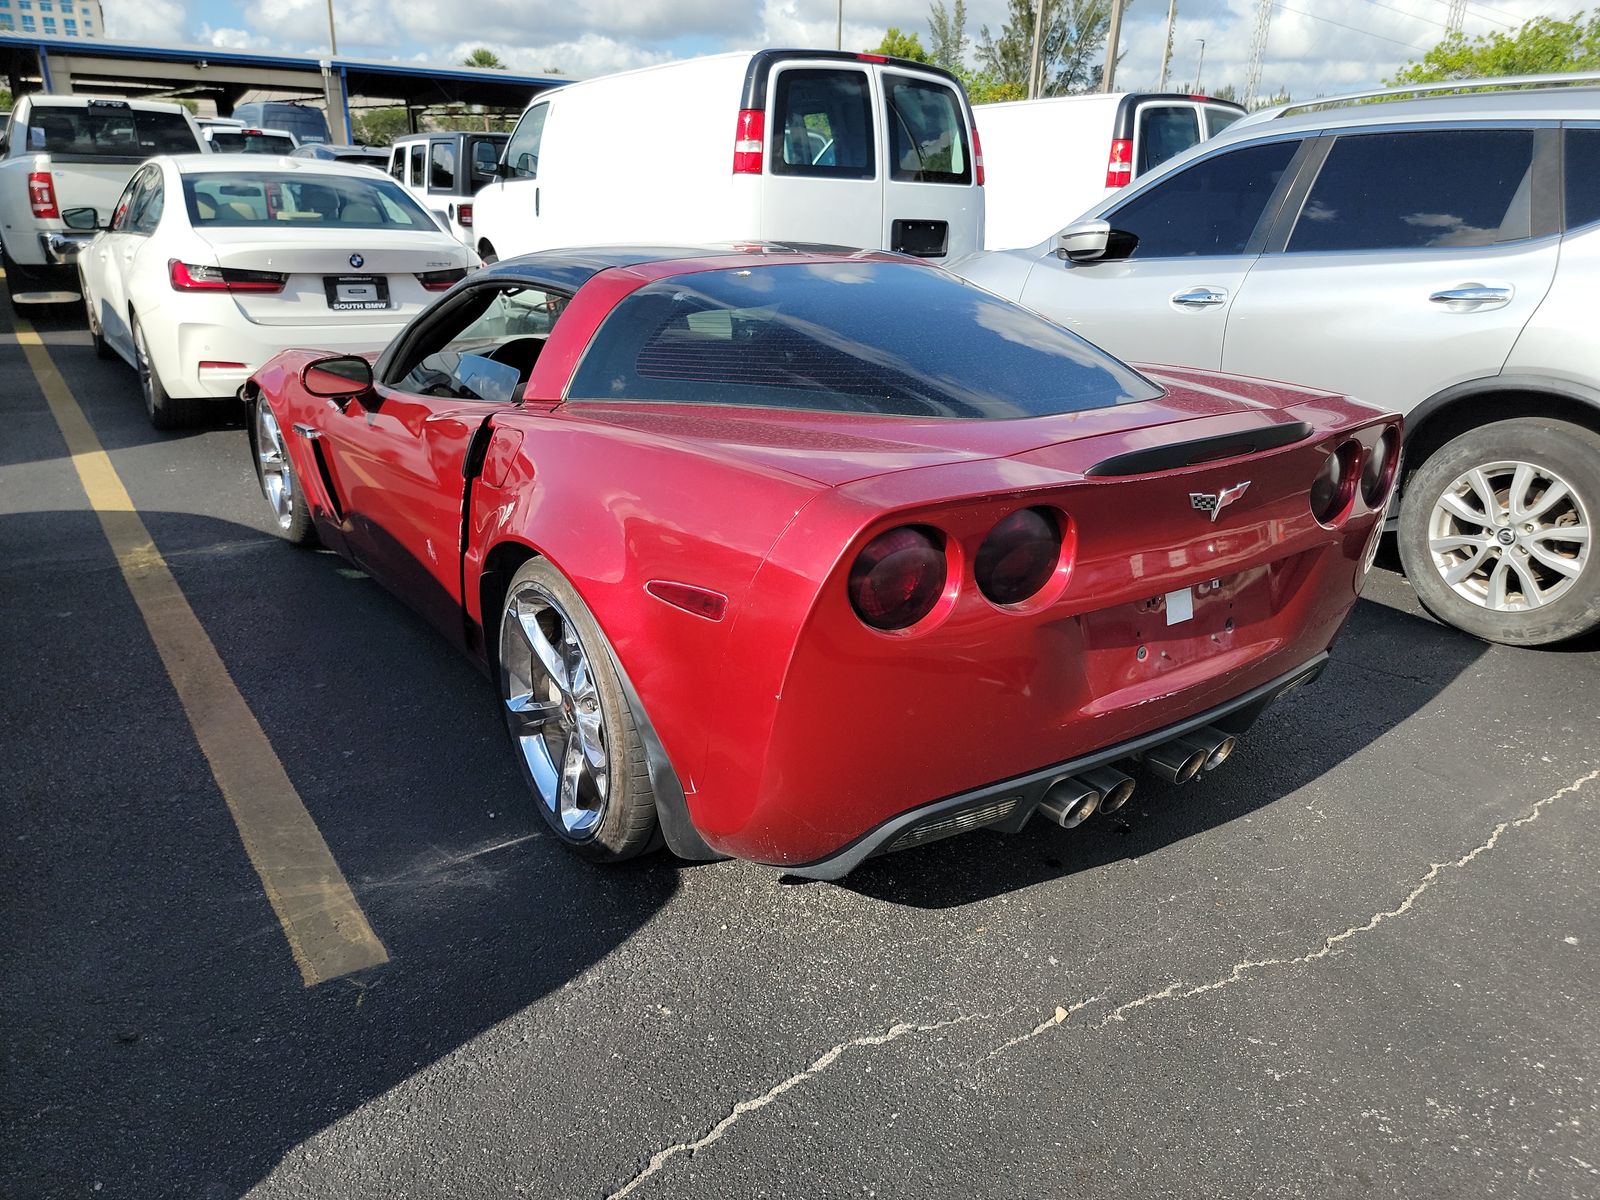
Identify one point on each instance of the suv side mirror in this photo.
(1084, 241)
(83, 219)
(342, 375)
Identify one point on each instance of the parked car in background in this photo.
(783, 145)
(66, 152)
(999, 519)
(245, 140)
(306, 123)
(1064, 154)
(1437, 255)
(210, 266)
(443, 172)
(356, 156)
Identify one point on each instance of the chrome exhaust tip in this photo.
(1217, 745)
(1069, 802)
(1176, 761)
(1114, 787)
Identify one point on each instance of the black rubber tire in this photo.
(301, 529)
(1573, 452)
(165, 411)
(486, 252)
(97, 337)
(628, 826)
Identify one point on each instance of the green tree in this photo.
(380, 126)
(485, 58)
(5, 100)
(947, 36)
(901, 45)
(1541, 46)
(1074, 34)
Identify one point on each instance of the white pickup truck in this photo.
(73, 156)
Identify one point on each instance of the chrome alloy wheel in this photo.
(277, 484)
(553, 709)
(1509, 536)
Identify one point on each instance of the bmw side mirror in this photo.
(1084, 241)
(83, 219)
(338, 377)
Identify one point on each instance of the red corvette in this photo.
(802, 557)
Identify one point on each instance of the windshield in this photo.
(109, 131)
(237, 141)
(866, 337)
(263, 198)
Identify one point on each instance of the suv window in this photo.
(1583, 177)
(927, 132)
(442, 167)
(108, 131)
(1408, 191)
(522, 151)
(1164, 131)
(1210, 208)
(823, 125)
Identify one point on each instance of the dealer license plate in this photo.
(356, 292)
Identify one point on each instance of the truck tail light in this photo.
(42, 195)
(1119, 166)
(748, 136)
(977, 155)
(202, 277)
(464, 215)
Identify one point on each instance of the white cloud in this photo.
(590, 54)
(161, 22)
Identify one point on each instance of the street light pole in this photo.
(1113, 36)
(333, 39)
(838, 32)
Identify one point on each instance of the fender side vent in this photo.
(1177, 455)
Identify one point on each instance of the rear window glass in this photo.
(1583, 177)
(1165, 132)
(927, 135)
(861, 337)
(823, 125)
(108, 132)
(1218, 119)
(232, 141)
(442, 166)
(261, 198)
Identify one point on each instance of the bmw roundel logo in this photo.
(357, 261)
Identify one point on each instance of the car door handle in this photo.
(1472, 296)
(1200, 297)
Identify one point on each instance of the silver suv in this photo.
(1438, 255)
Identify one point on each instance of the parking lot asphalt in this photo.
(1360, 959)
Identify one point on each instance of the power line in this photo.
(1352, 28)
(1404, 13)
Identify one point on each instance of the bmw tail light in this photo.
(442, 281)
(1377, 473)
(898, 577)
(42, 195)
(1335, 485)
(748, 136)
(202, 277)
(1019, 556)
(1119, 165)
(977, 155)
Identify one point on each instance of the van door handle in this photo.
(1473, 297)
(1200, 297)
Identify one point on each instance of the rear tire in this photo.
(1497, 532)
(102, 349)
(486, 252)
(164, 411)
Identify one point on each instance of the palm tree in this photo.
(484, 57)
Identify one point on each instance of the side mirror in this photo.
(338, 377)
(83, 219)
(1083, 242)
(502, 170)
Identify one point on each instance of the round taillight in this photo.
(1335, 485)
(898, 577)
(1019, 556)
(1377, 473)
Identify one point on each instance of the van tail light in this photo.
(202, 277)
(464, 215)
(441, 281)
(747, 141)
(1119, 167)
(42, 195)
(898, 577)
(977, 155)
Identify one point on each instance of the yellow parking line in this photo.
(328, 933)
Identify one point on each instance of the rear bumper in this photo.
(1007, 805)
(196, 342)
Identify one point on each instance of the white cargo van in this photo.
(779, 145)
(1049, 160)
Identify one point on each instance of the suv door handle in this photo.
(1472, 297)
(1200, 297)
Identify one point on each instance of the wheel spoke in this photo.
(1462, 570)
(1561, 533)
(1521, 480)
(1480, 486)
(549, 657)
(1459, 541)
(1532, 594)
(571, 774)
(1554, 494)
(1558, 563)
(1463, 511)
(1497, 584)
(530, 716)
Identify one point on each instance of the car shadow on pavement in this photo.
(1386, 666)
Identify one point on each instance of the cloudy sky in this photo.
(1316, 46)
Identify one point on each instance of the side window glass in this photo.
(927, 131)
(485, 349)
(1208, 209)
(397, 163)
(522, 152)
(1409, 191)
(822, 125)
(1218, 119)
(1164, 131)
(147, 215)
(1583, 177)
(418, 156)
(442, 166)
(131, 196)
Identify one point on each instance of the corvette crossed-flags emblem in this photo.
(1215, 502)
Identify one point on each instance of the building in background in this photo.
(53, 18)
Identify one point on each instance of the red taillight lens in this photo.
(977, 155)
(42, 195)
(1335, 485)
(747, 141)
(442, 281)
(1019, 556)
(464, 215)
(202, 277)
(1377, 473)
(898, 577)
(1119, 167)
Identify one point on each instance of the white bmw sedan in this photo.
(211, 264)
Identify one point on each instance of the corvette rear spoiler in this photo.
(1176, 455)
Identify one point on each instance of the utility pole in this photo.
(1113, 37)
(1036, 59)
(1456, 17)
(838, 31)
(1166, 47)
(333, 39)
(1258, 49)
(1200, 66)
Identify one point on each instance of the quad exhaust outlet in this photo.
(1114, 787)
(1070, 801)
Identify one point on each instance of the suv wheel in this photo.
(1496, 532)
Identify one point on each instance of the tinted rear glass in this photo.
(1165, 132)
(1583, 177)
(108, 132)
(927, 133)
(236, 142)
(862, 337)
(823, 125)
(262, 198)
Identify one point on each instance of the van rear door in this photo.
(932, 205)
(822, 157)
